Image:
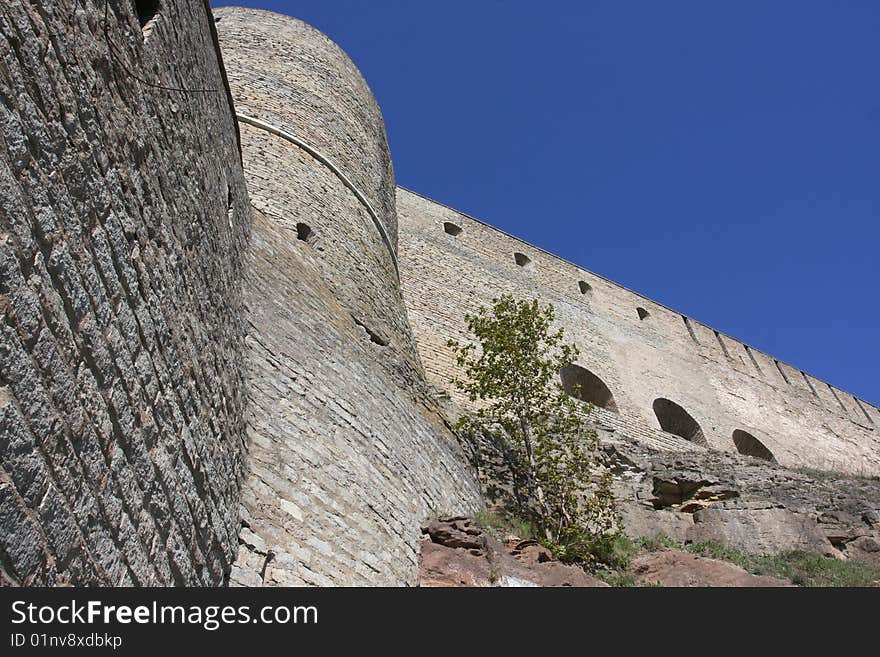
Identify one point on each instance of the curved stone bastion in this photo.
(347, 452)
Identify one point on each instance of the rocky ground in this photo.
(458, 553)
(678, 568)
(744, 502)
(748, 506)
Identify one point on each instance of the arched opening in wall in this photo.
(584, 287)
(522, 260)
(147, 11)
(747, 444)
(643, 314)
(451, 228)
(675, 420)
(305, 234)
(582, 384)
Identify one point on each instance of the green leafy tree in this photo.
(512, 369)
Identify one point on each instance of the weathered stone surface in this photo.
(842, 528)
(123, 226)
(865, 548)
(646, 522)
(455, 533)
(678, 568)
(760, 531)
(754, 505)
(347, 450)
(442, 566)
(553, 573)
(531, 553)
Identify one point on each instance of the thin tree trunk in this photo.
(533, 473)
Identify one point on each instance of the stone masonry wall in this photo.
(347, 452)
(212, 373)
(123, 226)
(723, 384)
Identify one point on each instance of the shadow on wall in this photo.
(523, 261)
(747, 444)
(675, 420)
(582, 384)
(451, 228)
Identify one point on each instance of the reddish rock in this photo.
(678, 568)
(554, 573)
(455, 532)
(449, 559)
(529, 552)
(444, 566)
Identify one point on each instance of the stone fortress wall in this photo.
(123, 228)
(220, 353)
(724, 394)
(347, 451)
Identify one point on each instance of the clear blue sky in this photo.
(720, 158)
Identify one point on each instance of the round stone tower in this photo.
(347, 451)
(318, 160)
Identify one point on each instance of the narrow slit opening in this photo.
(810, 384)
(690, 329)
(834, 392)
(723, 346)
(752, 357)
(147, 11)
(862, 408)
(782, 372)
(375, 337)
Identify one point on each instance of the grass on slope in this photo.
(610, 559)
